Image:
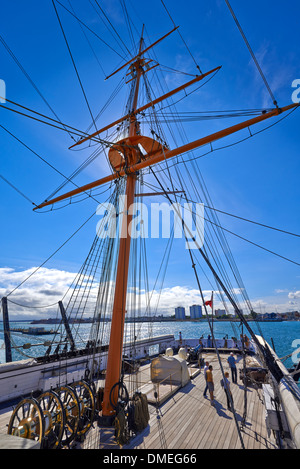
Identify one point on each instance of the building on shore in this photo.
(220, 312)
(290, 316)
(195, 312)
(180, 312)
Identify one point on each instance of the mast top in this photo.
(141, 52)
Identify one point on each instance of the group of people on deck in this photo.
(225, 383)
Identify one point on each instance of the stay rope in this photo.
(252, 54)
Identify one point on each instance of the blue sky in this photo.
(257, 179)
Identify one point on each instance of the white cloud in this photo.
(48, 286)
(169, 298)
(237, 291)
(294, 295)
(45, 287)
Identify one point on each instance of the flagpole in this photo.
(212, 310)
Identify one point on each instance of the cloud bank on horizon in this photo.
(36, 293)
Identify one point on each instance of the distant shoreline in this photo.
(51, 321)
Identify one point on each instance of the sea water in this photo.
(284, 335)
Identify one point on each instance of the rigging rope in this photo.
(252, 53)
(128, 21)
(243, 423)
(182, 161)
(110, 23)
(238, 217)
(258, 245)
(197, 66)
(74, 65)
(50, 257)
(49, 164)
(251, 242)
(31, 82)
(43, 122)
(170, 175)
(218, 288)
(199, 116)
(30, 306)
(17, 190)
(230, 262)
(254, 222)
(88, 41)
(93, 32)
(217, 224)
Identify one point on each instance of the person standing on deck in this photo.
(208, 342)
(205, 377)
(232, 363)
(210, 384)
(226, 385)
(180, 338)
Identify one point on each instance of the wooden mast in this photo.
(114, 359)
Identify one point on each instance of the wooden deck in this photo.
(187, 420)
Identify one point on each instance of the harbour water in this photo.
(285, 335)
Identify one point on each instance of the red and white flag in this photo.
(210, 302)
